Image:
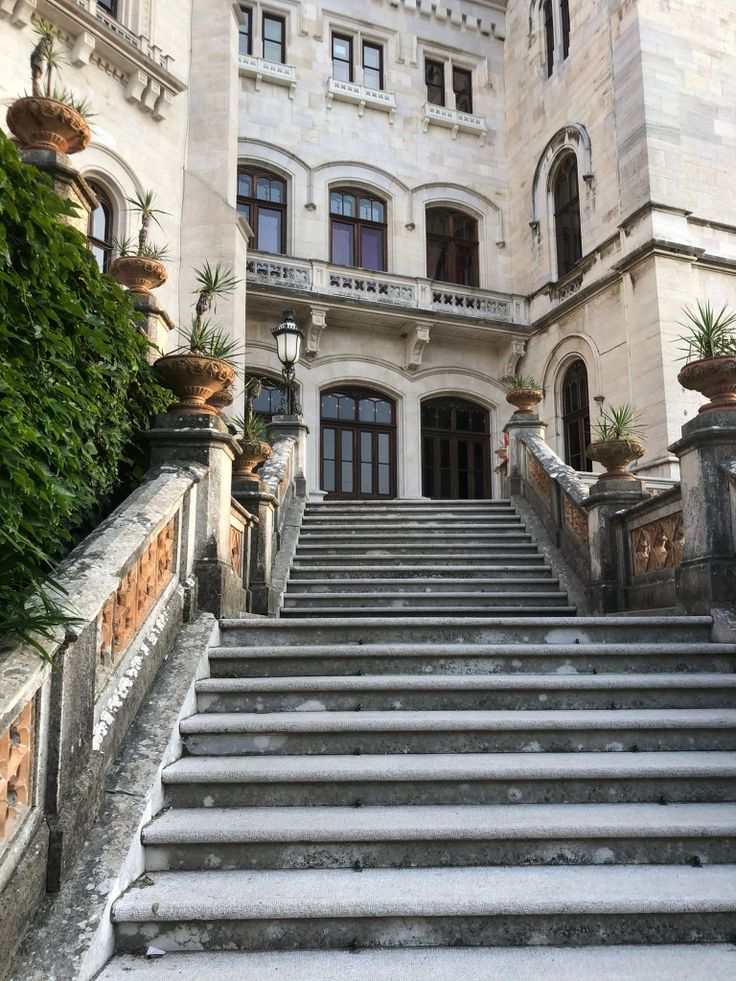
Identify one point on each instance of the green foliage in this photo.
(253, 428)
(617, 422)
(517, 382)
(142, 204)
(46, 61)
(75, 390)
(709, 334)
(212, 282)
(207, 338)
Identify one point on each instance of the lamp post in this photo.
(289, 337)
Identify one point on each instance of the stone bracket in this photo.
(315, 326)
(416, 341)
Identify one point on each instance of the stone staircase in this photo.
(404, 796)
(409, 558)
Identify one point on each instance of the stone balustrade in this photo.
(325, 279)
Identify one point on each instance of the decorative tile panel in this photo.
(16, 772)
(236, 549)
(658, 545)
(538, 477)
(575, 519)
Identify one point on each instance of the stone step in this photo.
(440, 525)
(522, 631)
(433, 778)
(473, 906)
(446, 609)
(441, 836)
(521, 559)
(515, 691)
(517, 573)
(445, 657)
(445, 536)
(522, 731)
(658, 962)
(397, 504)
(403, 552)
(429, 599)
(419, 586)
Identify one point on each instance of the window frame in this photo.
(254, 203)
(578, 419)
(453, 243)
(468, 73)
(564, 211)
(281, 20)
(247, 12)
(357, 224)
(435, 63)
(105, 202)
(347, 39)
(366, 43)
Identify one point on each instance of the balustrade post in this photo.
(67, 182)
(520, 422)
(707, 453)
(256, 498)
(294, 427)
(606, 498)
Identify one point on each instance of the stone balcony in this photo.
(272, 71)
(361, 96)
(453, 119)
(383, 290)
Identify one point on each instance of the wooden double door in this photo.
(358, 444)
(456, 450)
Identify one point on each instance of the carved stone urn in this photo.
(616, 456)
(138, 273)
(525, 400)
(255, 451)
(713, 377)
(46, 124)
(221, 400)
(194, 378)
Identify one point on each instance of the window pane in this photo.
(346, 485)
(343, 252)
(383, 412)
(437, 253)
(371, 56)
(341, 48)
(379, 212)
(383, 448)
(365, 209)
(372, 78)
(348, 205)
(462, 85)
(434, 75)
(244, 40)
(276, 190)
(367, 411)
(438, 221)
(98, 223)
(336, 203)
(328, 444)
(100, 256)
(273, 51)
(328, 479)
(245, 185)
(342, 58)
(465, 227)
(466, 265)
(273, 29)
(329, 407)
(346, 410)
(346, 443)
(244, 210)
(366, 463)
(371, 248)
(269, 230)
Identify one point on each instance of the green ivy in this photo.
(76, 391)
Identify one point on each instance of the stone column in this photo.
(520, 422)
(204, 439)
(258, 500)
(67, 182)
(605, 499)
(295, 428)
(707, 454)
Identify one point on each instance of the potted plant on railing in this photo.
(51, 118)
(207, 361)
(254, 438)
(525, 393)
(710, 347)
(617, 442)
(140, 268)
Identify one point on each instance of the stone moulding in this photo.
(658, 544)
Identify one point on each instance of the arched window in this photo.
(358, 443)
(549, 35)
(357, 229)
(567, 215)
(452, 247)
(100, 227)
(262, 202)
(576, 415)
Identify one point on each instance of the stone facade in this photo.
(644, 99)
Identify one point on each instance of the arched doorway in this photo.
(576, 415)
(358, 457)
(456, 451)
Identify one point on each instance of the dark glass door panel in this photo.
(358, 444)
(455, 450)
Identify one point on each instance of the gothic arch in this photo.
(572, 348)
(571, 137)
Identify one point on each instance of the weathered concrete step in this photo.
(457, 658)
(447, 609)
(484, 778)
(442, 836)
(287, 733)
(520, 572)
(440, 525)
(467, 629)
(444, 536)
(418, 587)
(391, 907)
(696, 962)
(403, 553)
(515, 691)
(430, 601)
(360, 507)
(427, 562)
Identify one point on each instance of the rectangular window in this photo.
(274, 39)
(342, 58)
(343, 244)
(565, 12)
(109, 6)
(245, 35)
(270, 230)
(372, 66)
(549, 37)
(462, 86)
(371, 248)
(434, 76)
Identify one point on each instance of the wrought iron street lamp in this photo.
(289, 337)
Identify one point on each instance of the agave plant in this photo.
(253, 428)
(519, 382)
(204, 337)
(710, 334)
(617, 423)
(142, 203)
(213, 282)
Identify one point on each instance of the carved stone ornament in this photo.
(137, 273)
(193, 378)
(46, 124)
(16, 772)
(713, 377)
(525, 400)
(658, 545)
(236, 550)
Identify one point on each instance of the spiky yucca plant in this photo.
(142, 203)
(213, 282)
(617, 423)
(518, 382)
(710, 334)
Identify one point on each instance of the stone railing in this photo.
(361, 96)
(272, 71)
(324, 279)
(555, 493)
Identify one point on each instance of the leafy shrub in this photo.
(75, 387)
